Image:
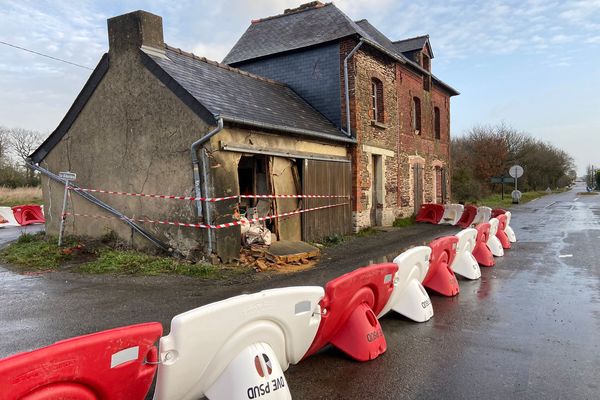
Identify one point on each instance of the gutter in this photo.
(297, 131)
(196, 170)
(346, 87)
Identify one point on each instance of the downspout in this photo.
(346, 87)
(196, 169)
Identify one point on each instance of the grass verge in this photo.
(20, 196)
(39, 252)
(35, 253)
(135, 263)
(496, 201)
(404, 222)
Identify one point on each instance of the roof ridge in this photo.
(220, 65)
(411, 38)
(291, 11)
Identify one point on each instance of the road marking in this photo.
(565, 255)
(576, 198)
(551, 204)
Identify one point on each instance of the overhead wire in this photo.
(44, 55)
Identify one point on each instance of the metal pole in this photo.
(62, 215)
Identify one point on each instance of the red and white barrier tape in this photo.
(214, 199)
(206, 226)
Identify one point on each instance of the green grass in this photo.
(34, 252)
(587, 193)
(404, 222)
(39, 253)
(366, 232)
(20, 196)
(135, 263)
(495, 200)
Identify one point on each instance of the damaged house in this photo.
(391, 104)
(154, 119)
(306, 102)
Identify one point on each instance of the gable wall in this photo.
(312, 73)
(133, 135)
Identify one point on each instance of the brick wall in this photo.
(394, 140)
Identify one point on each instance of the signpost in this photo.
(502, 180)
(516, 171)
(68, 177)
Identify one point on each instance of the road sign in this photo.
(69, 176)
(516, 171)
(502, 179)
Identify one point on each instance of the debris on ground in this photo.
(283, 256)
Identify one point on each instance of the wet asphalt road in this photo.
(529, 329)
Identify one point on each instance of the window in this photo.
(426, 63)
(437, 123)
(416, 115)
(377, 100)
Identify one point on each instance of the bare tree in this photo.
(23, 142)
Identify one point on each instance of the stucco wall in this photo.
(133, 135)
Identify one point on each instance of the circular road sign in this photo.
(516, 171)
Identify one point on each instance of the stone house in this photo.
(154, 119)
(380, 92)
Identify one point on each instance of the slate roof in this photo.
(292, 31)
(309, 27)
(412, 44)
(242, 97)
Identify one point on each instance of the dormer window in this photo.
(426, 63)
(416, 114)
(377, 100)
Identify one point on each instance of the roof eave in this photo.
(288, 129)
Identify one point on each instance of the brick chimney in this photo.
(129, 32)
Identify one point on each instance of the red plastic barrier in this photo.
(440, 276)
(29, 214)
(468, 216)
(350, 308)
(482, 252)
(431, 213)
(498, 211)
(104, 365)
(500, 234)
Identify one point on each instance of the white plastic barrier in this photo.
(7, 214)
(238, 348)
(483, 215)
(493, 242)
(508, 230)
(464, 263)
(452, 214)
(409, 297)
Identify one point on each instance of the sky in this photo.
(534, 64)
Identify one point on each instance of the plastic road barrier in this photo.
(452, 214)
(29, 214)
(500, 233)
(115, 364)
(440, 277)
(409, 297)
(493, 241)
(7, 217)
(483, 215)
(464, 263)
(468, 216)
(350, 308)
(238, 348)
(498, 211)
(431, 213)
(482, 252)
(509, 231)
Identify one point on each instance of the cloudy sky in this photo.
(533, 64)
